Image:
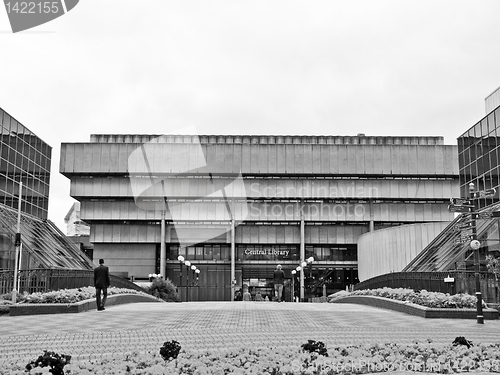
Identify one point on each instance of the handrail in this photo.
(44, 280)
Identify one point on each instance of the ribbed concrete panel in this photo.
(134, 259)
(199, 233)
(390, 250)
(270, 188)
(254, 159)
(275, 211)
(133, 233)
(247, 234)
(264, 140)
(332, 234)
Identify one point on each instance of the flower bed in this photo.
(357, 359)
(422, 297)
(68, 300)
(421, 303)
(67, 295)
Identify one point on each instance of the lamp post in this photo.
(475, 245)
(18, 247)
(187, 263)
(197, 272)
(192, 267)
(181, 259)
(301, 269)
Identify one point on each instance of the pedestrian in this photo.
(246, 295)
(279, 279)
(101, 283)
(258, 296)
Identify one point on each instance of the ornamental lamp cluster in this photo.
(300, 267)
(188, 264)
(155, 276)
(303, 265)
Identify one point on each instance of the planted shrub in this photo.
(5, 304)
(420, 297)
(164, 289)
(460, 340)
(52, 359)
(170, 350)
(315, 347)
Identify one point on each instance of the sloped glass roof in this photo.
(450, 250)
(43, 244)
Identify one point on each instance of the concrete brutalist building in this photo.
(265, 199)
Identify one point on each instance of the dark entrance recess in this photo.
(212, 284)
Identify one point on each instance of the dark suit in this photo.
(101, 283)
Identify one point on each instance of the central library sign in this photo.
(274, 253)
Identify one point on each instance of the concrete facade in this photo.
(391, 249)
(265, 199)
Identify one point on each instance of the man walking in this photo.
(279, 279)
(101, 283)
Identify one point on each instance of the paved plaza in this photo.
(219, 325)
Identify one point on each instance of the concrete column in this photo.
(163, 248)
(233, 257)
(302, 252)
(372, 223)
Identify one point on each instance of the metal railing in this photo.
(464, 282)
(44, 280)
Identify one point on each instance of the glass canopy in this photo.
(43, 244)
(450, 250)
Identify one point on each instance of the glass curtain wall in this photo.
(23, 158)
(479, 156)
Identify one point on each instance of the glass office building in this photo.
(479, 163)
(479, 155)
(25, 158)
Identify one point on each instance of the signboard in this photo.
(266, 253)
(485, 193)
(449, 279)
(484, 215)
(454, 208)
(463, 239)
(464, 225)
(461, 202)
(467, 232)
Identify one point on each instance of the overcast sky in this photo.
(250, 67)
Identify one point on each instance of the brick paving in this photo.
(220, 325)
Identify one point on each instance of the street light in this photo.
(475, 245)
(301, 267)
(195, 270)
(293, 284)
